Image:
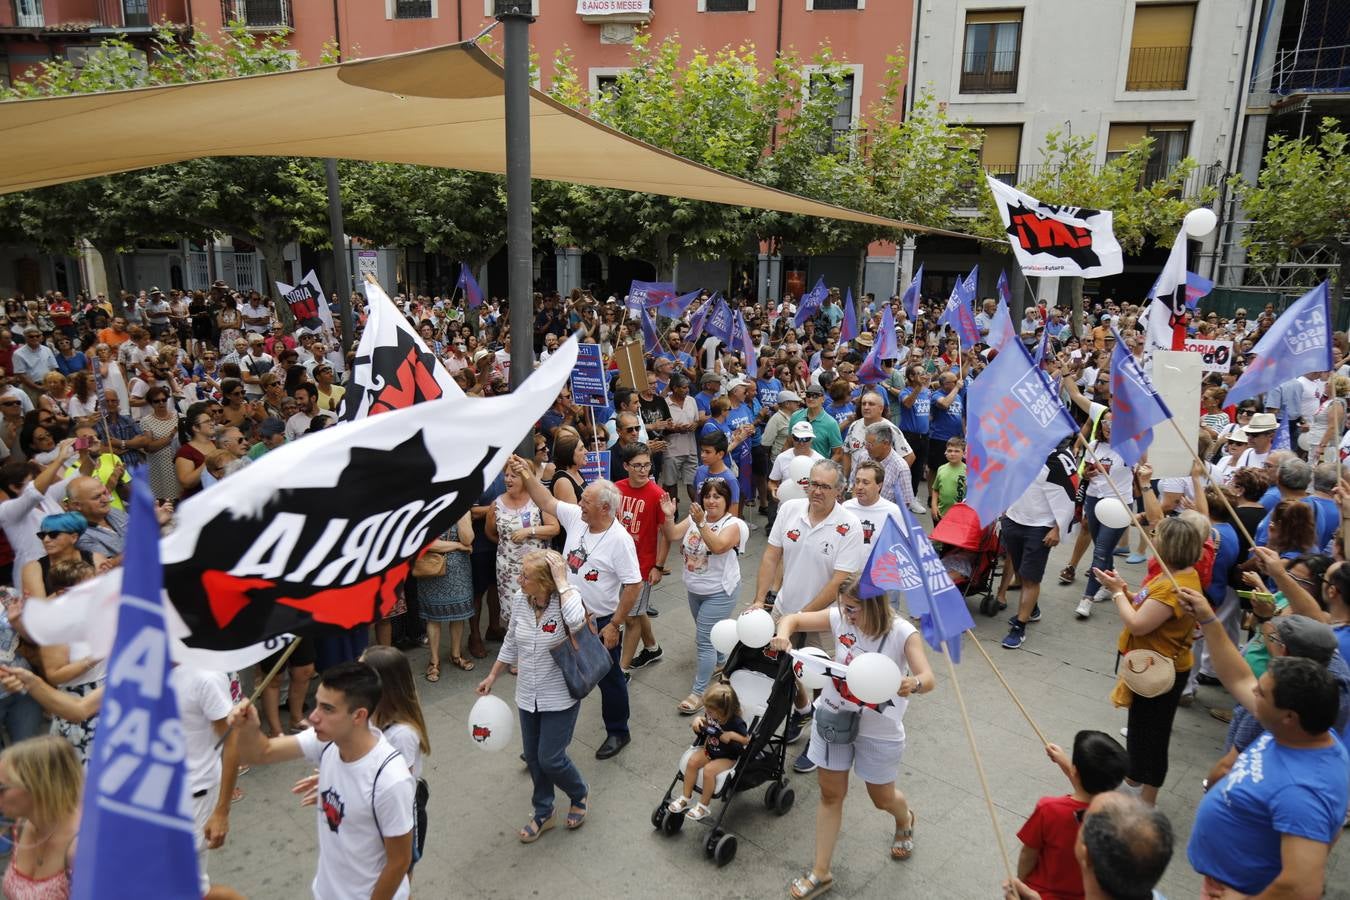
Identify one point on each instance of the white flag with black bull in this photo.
(309, 306)
(1057, 240)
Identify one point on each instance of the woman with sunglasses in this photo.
(161, 424)
(58, 533)
(196, 435)
(851, 735)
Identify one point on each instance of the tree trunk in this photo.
(112, 271)
(859, 289)
(274, 262)
(1076, 292)
(665, 259)
(1338, 284)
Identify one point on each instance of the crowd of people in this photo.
(1232, 576)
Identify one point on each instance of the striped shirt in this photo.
(539, 685)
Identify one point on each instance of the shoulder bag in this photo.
(430, 565)
(582, 658)
(1148, 673)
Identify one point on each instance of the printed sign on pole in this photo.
(588, 378)
(1217, 355)
(596, 466)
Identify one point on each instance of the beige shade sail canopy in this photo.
(438, 107)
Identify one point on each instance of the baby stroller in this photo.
(971, 554)
(764, 683)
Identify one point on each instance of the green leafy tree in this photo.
(1301, 199)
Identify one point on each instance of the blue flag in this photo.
(885, 347)
(1004, 291)
(812, 300)
(1001, 328)
(1298, 343)
(968, 288)
(747, 346)
(1197, 287)
(700, 318)
(1281, 439)
(720, 323)
(674, 307)
(848, 329)
(1135, 406)
(910, 301)
(958, 316)
(1013, 420)
(469, 285)
(649, 294)
(1039, 358)
(137, 822)
(651, 341)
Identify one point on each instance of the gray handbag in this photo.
(583, 659)
(838, 726)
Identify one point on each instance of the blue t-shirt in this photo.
(738, 416)
(1225, 557)
(681, 357)
(1271, 791)
(841, 413)
(1343, 638)
(701, 475)
(704, 402)
(1328, 521)
(916, 418)
(766, 389)
(949, 422)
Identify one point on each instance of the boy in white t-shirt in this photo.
(365, 791)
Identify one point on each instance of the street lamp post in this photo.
(519, 223)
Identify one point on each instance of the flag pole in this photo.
(1223, 495)
(1011, 693)
(262, 685)
(979, 766)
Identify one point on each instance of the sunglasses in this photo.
(50, 535)
(803, 440)
(632, 429)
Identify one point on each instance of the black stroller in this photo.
(764, 682)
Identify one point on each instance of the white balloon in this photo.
(724, 635)
(755, 628)
(1112, 513)
(491, 723)
(873, 678)
(798, 475)
(813, 676)
(1199, 222)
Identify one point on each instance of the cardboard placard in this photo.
(1176, 377)
(632, 366)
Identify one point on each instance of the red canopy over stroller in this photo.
(971, 554)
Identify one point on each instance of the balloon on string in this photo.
(873, 678)
(724, 636)
(491, 723)
(798, 474)
(1112, 513)
(1199, 222)
(755, 628)
(812, 675)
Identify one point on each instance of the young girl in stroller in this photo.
(725, 736)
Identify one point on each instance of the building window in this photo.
(28, 14)
(490, 8)
(841, 122)
(726, 5)
(1160, 47)
(135, 13)
(835, 4)
(1170, 143)
(993, 45)
(1000, 150)
(257, 13)
(413, 9)
(607, 86)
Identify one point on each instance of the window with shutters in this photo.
(726, 5)
(989, 61)
(1000, 149)
(1170, 143)
(1160, 47)
(841, 123)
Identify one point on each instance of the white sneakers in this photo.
(917, 508)
(1084, 608)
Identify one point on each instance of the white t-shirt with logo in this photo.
(856, 439)
(813, 553)
(850, 643)
(598, 565)
(203, 698)
(708, 573)
(351, 848)
(873, 518)
(783, 461)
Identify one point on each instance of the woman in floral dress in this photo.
(517, 526)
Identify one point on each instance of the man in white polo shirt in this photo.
(815, 545)
(602, 564)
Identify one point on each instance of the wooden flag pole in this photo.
(262, 685)
(1011, 693)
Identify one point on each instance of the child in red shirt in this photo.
(642, 515)
(1047, 863)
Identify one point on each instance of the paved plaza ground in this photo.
(479, 800)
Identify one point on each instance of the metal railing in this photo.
(28, 14)
(257, 13)
(1158, 68)
(834, 4)
(412, 9)
(1312, 69)
(1199, 179)
(989, 72)
(726, 6)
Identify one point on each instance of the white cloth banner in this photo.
(310, 308)
(613, 7)
(1057, 240)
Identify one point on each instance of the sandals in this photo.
(698, 812)
(679, 804)
(536, 827)
(691, 704)
(576, 816)
(808, 886)
(1067, 575)
(462, 664)
(902, 845)
(433, 673)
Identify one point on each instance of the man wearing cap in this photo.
(681, 450)
(777, 429)
(253, 366)
(272, 434)
(744, 414)
(157, 313)
(711, 385)
(1266, 826)
(1260, 435)
(802, 436)
(828, 441)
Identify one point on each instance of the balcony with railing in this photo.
(412, 9)
(991, 72)
(131, 14)
(261, 14)
(1320, 69)
(1158, 68)
(1199, 179)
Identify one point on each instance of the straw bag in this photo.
(430, 565)
(1148, 673)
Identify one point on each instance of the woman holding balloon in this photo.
(859, 719)
(542, 612)
(1110, 479)
(712, 541)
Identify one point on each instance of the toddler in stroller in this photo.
(725, 737)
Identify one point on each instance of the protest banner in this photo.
(1176, 377)
(588, 378)
(596, 466)
(1217, 355)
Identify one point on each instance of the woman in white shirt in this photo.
(852, 735)
(543, 612)
(399, 717)
(712, 541)
(1109, 477)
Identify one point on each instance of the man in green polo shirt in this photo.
(828, 442)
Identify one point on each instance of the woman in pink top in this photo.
(40, 784)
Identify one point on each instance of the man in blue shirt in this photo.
(711, 384)
(1269, 823)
